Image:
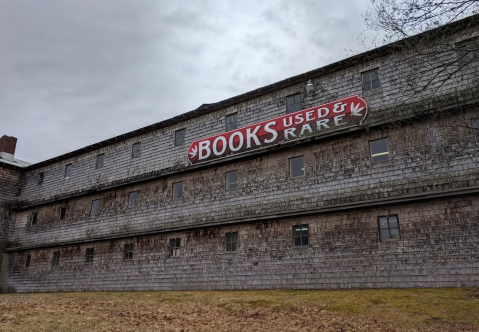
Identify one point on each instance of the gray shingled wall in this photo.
(438, 248)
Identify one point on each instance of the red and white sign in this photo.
(342, 113)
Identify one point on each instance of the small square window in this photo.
(475, 127)
(63, 213)
(136, 150)
(175, 247)
(133, 199)
(56, 258)
(89, 255)
(231, 121)
(34, 218)
(389, 227)
(293, 103)
(379, 150)
(128, 251)
(68, 171)
(40, 178)
(95, 206)
(99, 160)
(177, 190)
(232, 180)
(231, 240)
(301, 235)
(370, 80)
(180, 137)
(296, 167)
(467, 51)
(27, 261)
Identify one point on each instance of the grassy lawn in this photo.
(446, 309)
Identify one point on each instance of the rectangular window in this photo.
(379, 150)
(389, 227)
(56, 258)
(370, 80)
(231, 240)
(296, 167)
(175, 247)
(293, 103)
(475, 126)
(231, 121)
(34, 218)
(99, 160)
(136, 150)
(301, 235)
(180, 137)
(63, 213)
(467, 51)
(68, 171)
(95, 206)
(27, 261)
(232, 180)
(89, 255)
(40, 178)
(177, 190)
(128, 251)
(133, 199)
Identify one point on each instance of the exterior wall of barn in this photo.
(431, 182)
(9, 191)
(438, 248)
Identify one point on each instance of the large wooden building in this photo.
(363, 173)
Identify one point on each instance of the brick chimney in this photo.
(7, 147)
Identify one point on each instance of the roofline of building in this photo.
(352, 61)
(263, 217)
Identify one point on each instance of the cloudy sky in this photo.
(75, 72)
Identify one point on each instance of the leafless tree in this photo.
(424, 34)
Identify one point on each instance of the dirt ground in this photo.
(353, 310)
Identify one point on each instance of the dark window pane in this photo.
(232, 180)
(228, 246)
(136, 150)
(475, 125)
(27, 261)
(234, 237)
(384, 234)
(290, 100)
(68, 170)
(180, 137)
(95, 206)
(297, 99)
(173, 243)
(367, 86)
(234, 246)
(297, 231)
(40, 178)
(133, 199)
(231, 122)
(383, 222)
(393, 221)
(304, 230)
(297, 241)
(379, 146)
(383, 157)
(304, 241)
(297, 167)
(34, 218)
(99, 160)
(177, 190)
(376, 84)
(394, 232)
(375, 75)
(63, 212)
(366, 77)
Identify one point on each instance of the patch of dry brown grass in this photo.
(354, 310)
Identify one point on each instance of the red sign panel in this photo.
(342, 113)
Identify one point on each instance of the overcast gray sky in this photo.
(76, 72)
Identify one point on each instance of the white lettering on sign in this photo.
(343, 113)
